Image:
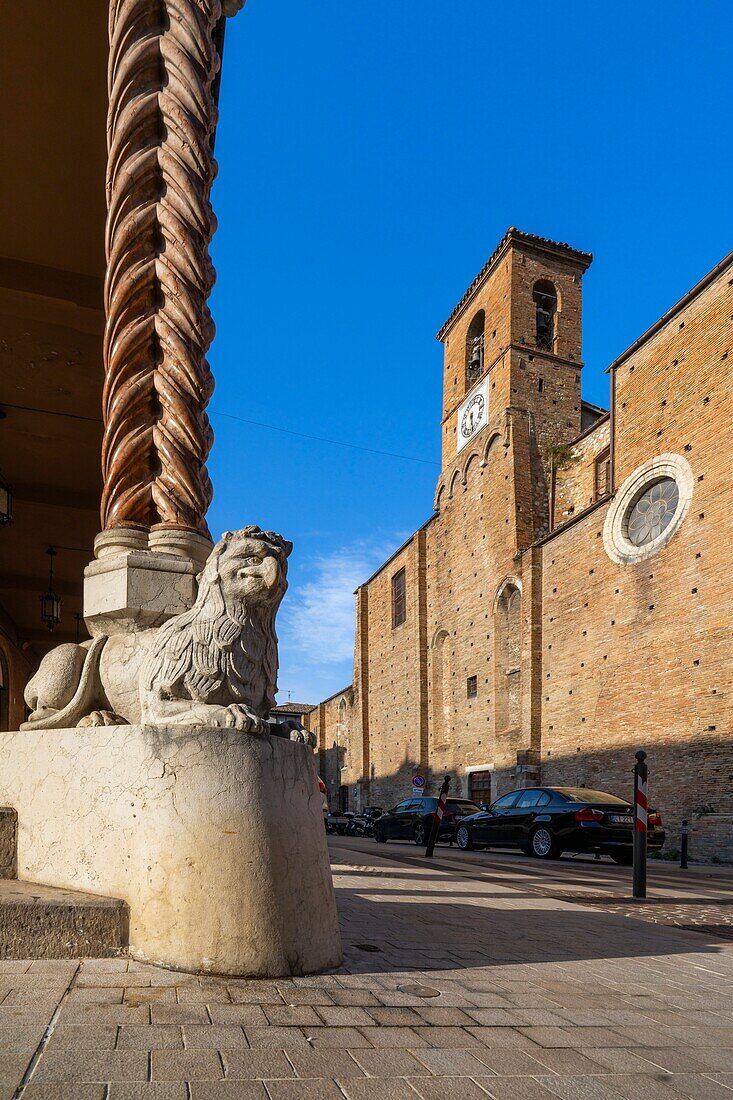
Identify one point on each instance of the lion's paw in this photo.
(102, 718)
(243, 719)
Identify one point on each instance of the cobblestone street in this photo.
(453, 986)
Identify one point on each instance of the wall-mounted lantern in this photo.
(50, 602)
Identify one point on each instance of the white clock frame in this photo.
(481, 391)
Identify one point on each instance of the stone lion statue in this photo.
(214, 665)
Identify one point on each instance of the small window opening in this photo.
(545, 299)
(603, 473)
(399, 598)
(475, 348)
(471, 687)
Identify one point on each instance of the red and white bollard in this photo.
(437, 817)
(641, 773)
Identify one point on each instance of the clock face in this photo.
(473, 415)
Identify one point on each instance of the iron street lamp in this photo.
(50, 603)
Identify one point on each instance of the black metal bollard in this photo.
(435, 827)
(641, 773)
(683, 846)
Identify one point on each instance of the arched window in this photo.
(475, 348)
(544, 296)
(341, 734)
(507, 658)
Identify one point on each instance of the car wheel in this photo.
(379, 836)
(463, 839)
(624, 858)
(418, 834)
(543, 844)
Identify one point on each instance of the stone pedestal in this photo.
(214, 839)
(135, 590)
(140, 579)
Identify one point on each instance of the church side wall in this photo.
(394, 681)
(638, 655)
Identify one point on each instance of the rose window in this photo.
(652, 511)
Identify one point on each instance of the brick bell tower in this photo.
(513, 358)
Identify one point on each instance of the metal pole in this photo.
(641, 773)
(438, 817)
(683, 846)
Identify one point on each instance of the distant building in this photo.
(569, 600)
(297, 711)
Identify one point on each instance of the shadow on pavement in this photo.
(419, 928)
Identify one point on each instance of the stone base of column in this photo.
(213, 838)
(180, 543)
(139, 580)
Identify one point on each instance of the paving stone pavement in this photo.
(476, 988)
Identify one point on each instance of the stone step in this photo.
(45, 922)
(8, 842)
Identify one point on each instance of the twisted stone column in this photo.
(163, 63)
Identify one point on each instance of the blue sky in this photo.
(371, 156)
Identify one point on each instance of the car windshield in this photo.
(582, 794)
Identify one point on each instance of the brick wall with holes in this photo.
(639, 655)
(395, 683)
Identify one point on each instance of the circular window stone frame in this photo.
(615, 540)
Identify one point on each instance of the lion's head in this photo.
(224, 649)
(250, 567)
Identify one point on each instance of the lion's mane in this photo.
(205, 653)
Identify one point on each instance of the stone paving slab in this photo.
(475, 989)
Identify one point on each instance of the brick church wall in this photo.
(577, 660)
(639, 655)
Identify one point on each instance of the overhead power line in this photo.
(323, 439)
(254, 423)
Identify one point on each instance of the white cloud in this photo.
(317, 622)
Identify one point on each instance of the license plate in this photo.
(621, 819)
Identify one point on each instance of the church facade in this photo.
(569, 599)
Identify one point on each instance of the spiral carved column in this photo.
(163, 63)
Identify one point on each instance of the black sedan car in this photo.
(547, 821)
(411, 819)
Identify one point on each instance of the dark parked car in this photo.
(411, 819)
(547, 821)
